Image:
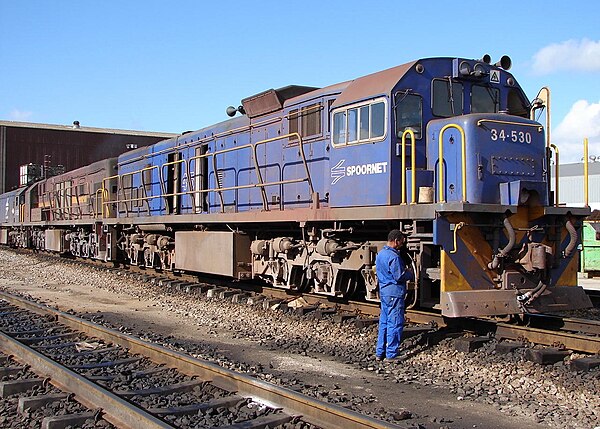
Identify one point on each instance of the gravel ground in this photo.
(433, 387)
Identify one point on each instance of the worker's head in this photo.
(396, 239)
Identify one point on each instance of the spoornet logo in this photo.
(339, 170)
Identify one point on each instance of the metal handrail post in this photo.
(441, 162)
(412, 165)
(556, 197)
(586, 172)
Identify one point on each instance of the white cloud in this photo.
(573, 55)
(582, 121)
(19, 115)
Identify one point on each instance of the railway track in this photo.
(568, 333)
(131, 383)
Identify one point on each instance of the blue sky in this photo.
(175, 66)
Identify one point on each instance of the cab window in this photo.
(485, 99)
(409, 114)
(447, 98)
(359, 124)
(516, 105)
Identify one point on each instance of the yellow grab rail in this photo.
(556, 198)
(541, 102)
(441, 198)
(520, 124)
(104, 207)
(456, 228)
(261, 184)
(412, 166)
(586, 173)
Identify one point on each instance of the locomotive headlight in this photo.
(479, 70)
(464, 68)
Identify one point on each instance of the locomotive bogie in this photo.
(327, 266)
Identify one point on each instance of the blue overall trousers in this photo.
(392, 276)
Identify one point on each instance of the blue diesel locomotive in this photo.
(301, 188)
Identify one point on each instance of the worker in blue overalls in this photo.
(392, 275)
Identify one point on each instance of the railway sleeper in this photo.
(585, 364)
(546, 356)
(137, 374)
(33, 340)
(271, 420)
(10, 370)
(69, 420)
(214, 293)
(227, 401)
(470, 344)
(31, 331)
(12, 387)
(185, 386)
(91, 352)
(109, 364)
(35, 402)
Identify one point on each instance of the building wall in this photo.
(571, 185)
(72, 148)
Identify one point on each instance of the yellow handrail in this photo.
(543, 102)
(586, 172)
(105, 208)
(441, 198)
(520, 124)
(556, 198)
(456, 228)
(411, 133)
(260, 183)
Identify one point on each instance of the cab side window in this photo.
(364, 123)
(516, 105)
(409, 114)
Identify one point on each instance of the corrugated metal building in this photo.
(571, 185)
(23, 143)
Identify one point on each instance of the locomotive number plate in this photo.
(510, 135)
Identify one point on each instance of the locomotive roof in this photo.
(331, 89)
(87, 169)
(378, 83)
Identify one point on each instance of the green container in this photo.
(590, 260)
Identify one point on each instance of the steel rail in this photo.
(313, 411)
(569, 340)
(590, 327)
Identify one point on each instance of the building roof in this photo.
(32, 125)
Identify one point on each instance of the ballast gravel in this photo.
(552, 396)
